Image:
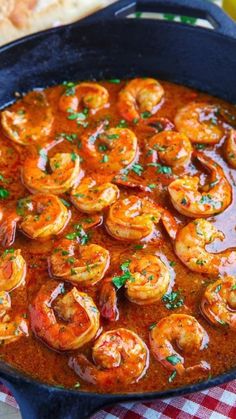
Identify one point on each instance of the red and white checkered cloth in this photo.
(216, 403)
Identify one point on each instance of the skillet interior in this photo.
(125, 48)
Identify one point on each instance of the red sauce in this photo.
(31, 355)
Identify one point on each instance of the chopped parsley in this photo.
(145, 115)
(66, 203)
(105, 158)
(69, 88)
(172, 376)
(120, 280)
(173, 359)
(78, 233)
(68, 137)
(218, 288)
(138, 169)
(173, 300)
(73, 156)
(152, 326)
(122, 124)
(114, 81)
(4, 193)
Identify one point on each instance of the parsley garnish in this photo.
(119, 281)
(69, 88)
(4, 193)
(173, 300)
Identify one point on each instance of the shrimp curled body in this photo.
(149, 281)
(172, 148)
(190, 248)
(78, 317)
(93, 96)
(219, 302)
(199, 122)
(134, 218)
(139, 95)
(120, 356)
(90, 197)
(82, 265)
(230, 148)
(65, 170)
(189, 336)
(113, 149)
(12, 270)
(189, 201)
(30, 123)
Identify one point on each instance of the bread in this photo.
(21, 17)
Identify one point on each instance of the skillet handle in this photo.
(38, 401)
(203, 9)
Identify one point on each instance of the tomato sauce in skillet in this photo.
(49, 122)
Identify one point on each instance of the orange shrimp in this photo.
(70, 323)
(138, 96)
(82, 265)
(134, 218)
(189, 336)
(92, 95)
(32, 122)
(119, 355)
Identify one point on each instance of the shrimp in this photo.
(190, 248)
(11, 329)
(198, 120)
(113, 149)
(91, 197)
(93, 96)
(230, 148)
(64, 167)
(219, 302)
(70, 323)
(39, 216)
(189, 336)
(12, 270)
(31, 122)
(173, 149)
(82, 265)
(134, 218)
(150, 279)
(189, 201)
(120, 356)
(138, 96)
(108, 300)
(155, 124)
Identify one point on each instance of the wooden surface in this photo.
(8, 412)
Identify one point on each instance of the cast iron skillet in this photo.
(108, 45)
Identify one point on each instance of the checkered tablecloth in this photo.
(216, 403)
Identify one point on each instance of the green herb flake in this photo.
(122, 124)
(138, 169)
(152, 326)
(73, 156)
(105, 158)
(218, 288)
(173, 359)
(145, 115)
(114, 81)
(67, 204)
(172, 263)
(173, 300)
(69, 88)
(4, 193)
(172, 376)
